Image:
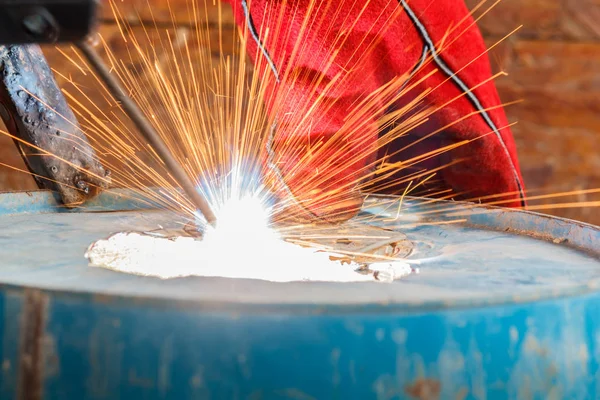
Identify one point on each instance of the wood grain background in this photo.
(553, 65)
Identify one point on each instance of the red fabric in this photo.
(360, 69)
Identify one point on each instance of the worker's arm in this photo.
(320, 82)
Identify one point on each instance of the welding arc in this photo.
(136, 115)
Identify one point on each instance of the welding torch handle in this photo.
(150, 134)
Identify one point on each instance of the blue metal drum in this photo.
(506, 305)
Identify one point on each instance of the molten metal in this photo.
(242, 246)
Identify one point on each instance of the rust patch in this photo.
(31, 357)
(424, 389)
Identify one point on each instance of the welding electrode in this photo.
(148, 131)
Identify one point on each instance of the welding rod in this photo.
(147, 130)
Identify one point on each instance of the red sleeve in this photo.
(462, 87)
(315, 86)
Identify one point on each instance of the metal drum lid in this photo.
(465, 254)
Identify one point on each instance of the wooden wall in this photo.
(553, 63)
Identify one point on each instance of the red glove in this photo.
(323, 145)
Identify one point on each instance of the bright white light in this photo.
(241, 221)
(242, 246)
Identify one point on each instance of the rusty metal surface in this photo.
(31, 351)
(48, 134)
